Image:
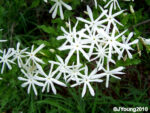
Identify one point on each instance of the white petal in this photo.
(34, 89)
(39, 48)
(83, 20)
(107, 81)
(67, 6)
(90, 13)
(61, 12)
(55, 12)
(59, 83)
(52, 8)
(84, 90)
(53, 88)
(91, 89)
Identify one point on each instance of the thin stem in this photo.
(144, 22)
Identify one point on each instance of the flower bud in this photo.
(52, 50)
(131, 9)
(125, 14)
(86, 12)
(67, 25)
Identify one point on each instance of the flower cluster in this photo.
(99, 42)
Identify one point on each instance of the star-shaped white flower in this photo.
(69, 35)
(110, 18)
(30, 80)
(74, 73)
(86, 79)
(50, 80)
(112, 42)
(77, 45)
(110, 73)
(127, 44)
(19, 54)
(100, 55)
(62, 68)
(93, 37)
(6, 59)
(93, 23)
(32, 55)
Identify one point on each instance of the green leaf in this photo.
(35, 3)
(47, 29)
(134, 61)
(55, 104)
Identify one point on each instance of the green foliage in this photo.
(148, 2)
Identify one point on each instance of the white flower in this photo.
(19, 54)
(50, 80)
(113, 3)
(62, 67)
(30, 80)
(86, 80)
(127, 45)
(74, 73)
(32, 54)
(93, 22)
(59, 3)
(110, 18)
(101, 53)
(77, 45)
(5, 59)
(69, 36)
(93, 38)
(112, 43)
(108, 73)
